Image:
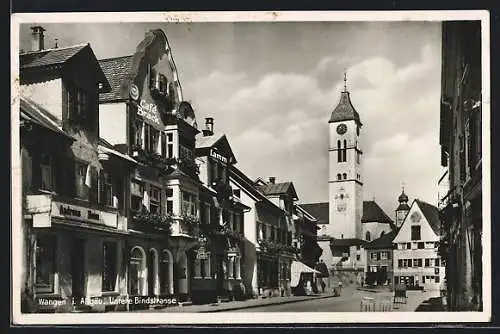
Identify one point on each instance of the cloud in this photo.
(277, 123)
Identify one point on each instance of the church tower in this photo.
(345, 180)
(402, 208)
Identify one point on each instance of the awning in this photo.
(298, 268)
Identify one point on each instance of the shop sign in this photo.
(64, 210)
(149, 111)
(214, 154)
(134, 92)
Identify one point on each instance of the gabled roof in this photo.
(61, 57)
(305, 212)
(35, 113)
(283, 188)
(344, 111)
(248, 185)
(383, 242)
(431, 213)
(318, 210)
(49, 56)
(372, 212)
(215, 140)
(115, 69)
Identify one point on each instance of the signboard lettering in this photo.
(149, 111)
(217, 156)
(82, 213)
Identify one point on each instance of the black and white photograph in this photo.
(251, 167)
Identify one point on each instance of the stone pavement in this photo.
(237, 305)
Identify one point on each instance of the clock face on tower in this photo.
(341, 129)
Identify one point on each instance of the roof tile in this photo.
(49, 56)
(115, 69)
(318, 210)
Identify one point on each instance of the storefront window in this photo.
(45, 259)
(109, 265)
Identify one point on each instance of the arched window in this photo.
(344, 158)
(368, 236)
(166, 273)
(153, 288)
(137, 272)
(344, 176)
(339, 152)
(339, 177)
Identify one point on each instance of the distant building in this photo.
(416, 259)
(379, 260)
(461, 146)
(402, 209)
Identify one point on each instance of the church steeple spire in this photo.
(344, 111)
(345, 82)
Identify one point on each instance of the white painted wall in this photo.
(113, 125)
(47, 94)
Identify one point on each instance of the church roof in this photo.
(372, 212)
(344, 111)
(403, 197)
(319, 210)
(431, 213)
(347, 242)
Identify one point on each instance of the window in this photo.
(408, 245)
(358, 157)
(107, 189)
(213, 171)
(46, 172)
(367, 236)
(344, 151)
(138, 128)
(427, 262)
(82, 180)
(415, 233)
(136, 276)
(154, 199)
(421, 245)
(383, 255)
(151, 139)
(418, 263)
(436, 262)
(400, 263)
(169, 193)
(405, 263)
(339, 177)
(410, 263)
(189, 204)
(344, 176)
(358, 257)
(163, 144)
(437, 279)
(45, 259)
(137, 194)
(339, 152)
(78, 103)
(373, 256)
(109, 266)
(170, 145)
(237, 193)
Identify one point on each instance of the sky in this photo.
(271, 87)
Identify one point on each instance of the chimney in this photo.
(209, 127)
(37, 38)
(272, 179)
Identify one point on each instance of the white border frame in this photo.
(249, 318)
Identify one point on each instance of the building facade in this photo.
(417, 263)
(461, 147)
(74, 198)
(379, 260)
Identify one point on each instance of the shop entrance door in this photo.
(78, 268)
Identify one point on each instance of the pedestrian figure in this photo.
(340, 285)
(323, 285)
